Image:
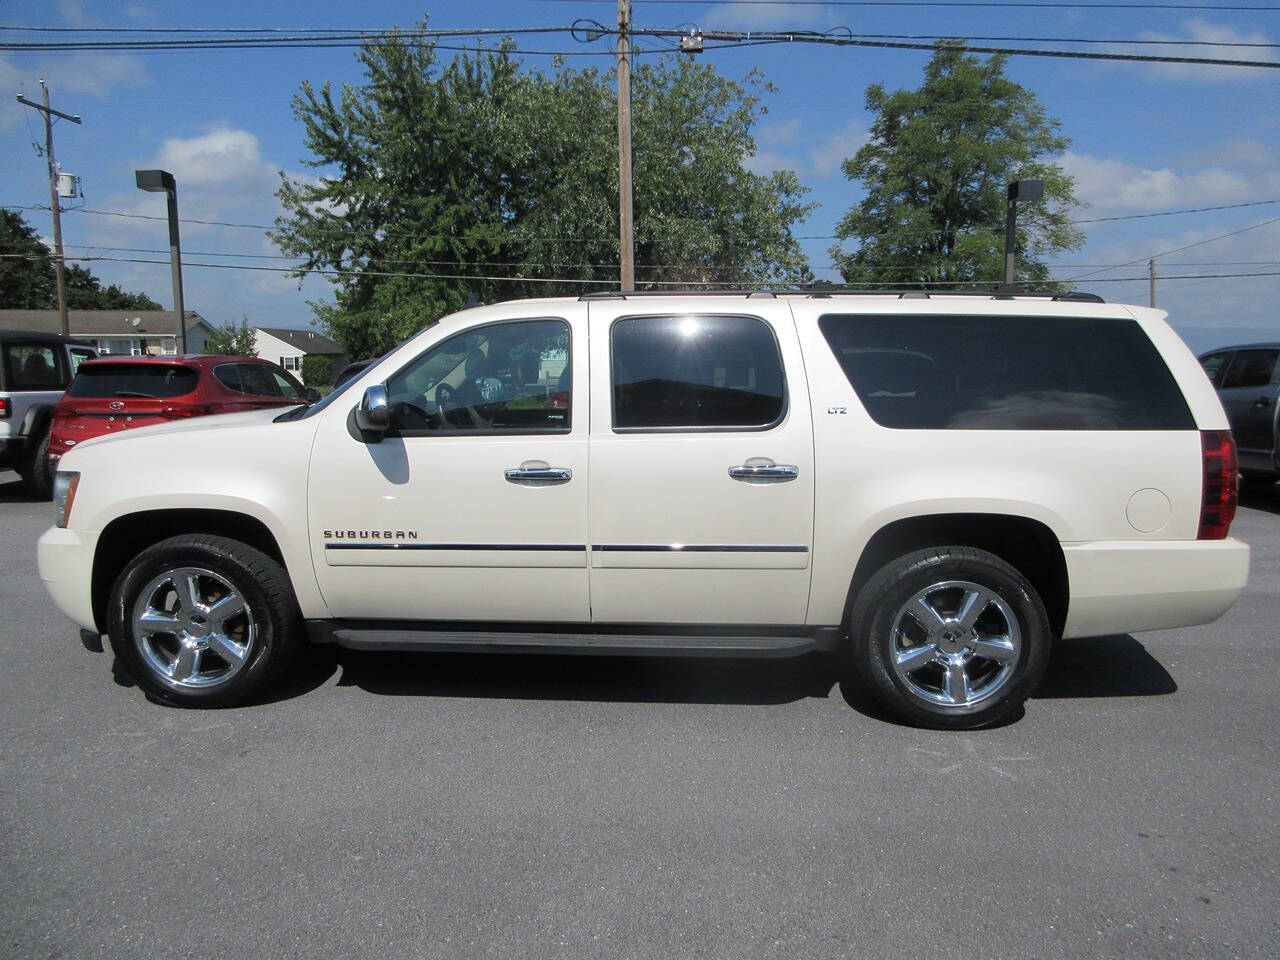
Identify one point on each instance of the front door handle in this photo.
(537, 471)
(766, 470)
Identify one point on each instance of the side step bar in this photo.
(616, 644)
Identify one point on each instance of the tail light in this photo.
(194, 410)
(1218, 507)
(5, 409)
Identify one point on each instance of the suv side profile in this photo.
(34, 370)
(933, 488)
(1247, 379)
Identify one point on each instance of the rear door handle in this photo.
(537, 471)
(764, 470)
(1263, 401)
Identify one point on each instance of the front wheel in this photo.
(203, 621)
(950, 637)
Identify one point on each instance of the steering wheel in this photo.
(446, 401)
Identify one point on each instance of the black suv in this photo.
(1247, 379)
(35, 369)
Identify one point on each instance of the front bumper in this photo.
(1126, 587)
(65, 559)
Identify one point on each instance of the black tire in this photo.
(37, 478)
(1256, 482)
(271, 608)
(880, 604)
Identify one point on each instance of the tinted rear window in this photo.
(696, 372)
(1006, 373)
(133, 380)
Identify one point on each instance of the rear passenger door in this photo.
(1248, 393)
(701, 488)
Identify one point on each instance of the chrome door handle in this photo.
(523, 474)
(764, 471)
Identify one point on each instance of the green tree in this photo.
(936, 167)
(232, 340)
(317, 371)
(86, 292)
(479, 177)
(27, 281)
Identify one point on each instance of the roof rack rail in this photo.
(826, 291)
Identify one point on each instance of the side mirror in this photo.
(311, 395)
(374, 413)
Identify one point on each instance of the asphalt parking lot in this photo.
(468, 806)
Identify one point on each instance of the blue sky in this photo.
(1146, 138)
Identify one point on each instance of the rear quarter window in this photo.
(133, 380)
(1006, 373)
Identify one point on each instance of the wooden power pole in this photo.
(54, 207)
(626, 239)
(1151, 274)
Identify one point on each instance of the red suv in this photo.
(118, 392)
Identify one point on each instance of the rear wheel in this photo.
(950, 637)
(37, 478)
(203, 621)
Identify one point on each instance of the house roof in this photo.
(308, 341)
(101, 323)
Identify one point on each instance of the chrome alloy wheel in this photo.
(955, 643)
(192, 628)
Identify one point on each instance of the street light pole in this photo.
(161, 181)
(1018, 190)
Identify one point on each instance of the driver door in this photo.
(473, 506)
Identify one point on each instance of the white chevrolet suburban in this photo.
(932, 487)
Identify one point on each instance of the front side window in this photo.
(33, 366)
(511, 377)
(1006, 373)
(1250, 368)
(78, 356)
(685, 372)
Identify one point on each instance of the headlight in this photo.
(64, 494)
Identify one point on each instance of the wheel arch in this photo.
(37, 417)
(1030, 546)
(126, 536)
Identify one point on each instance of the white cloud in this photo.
(1242, 152)
(80, 74)
(223, 155)
(1109, 185)
(826, 157)
(785, 146)
(1205, 32)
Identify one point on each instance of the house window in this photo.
(291, 363)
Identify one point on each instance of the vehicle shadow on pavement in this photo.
(599, 678)
(1262, 497)
(1117, 666)
(12, 489)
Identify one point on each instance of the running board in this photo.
(617, 644)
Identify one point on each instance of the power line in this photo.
(997, 4)
(1171, 213)
(1188, 246)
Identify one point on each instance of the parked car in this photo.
(118, 393)
(1247, 379)
(931, 487)
(34, 370)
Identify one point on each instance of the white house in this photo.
(117, 331)
(288, 347)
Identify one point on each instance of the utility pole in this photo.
(56, 208)
(626, 240)
(1151, 273)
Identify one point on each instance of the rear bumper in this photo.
(1129, 587)
(65, 558)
